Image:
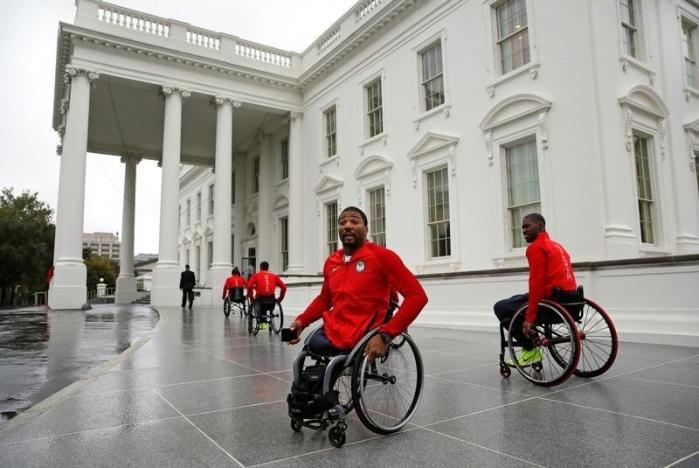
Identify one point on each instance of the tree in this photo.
(100, 267)
(26, 245)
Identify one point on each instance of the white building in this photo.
(102, 244)
(446, 120)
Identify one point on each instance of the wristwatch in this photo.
(385, 337)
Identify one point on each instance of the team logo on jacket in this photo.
(359, 266)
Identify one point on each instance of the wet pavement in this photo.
(42, 352)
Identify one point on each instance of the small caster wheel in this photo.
(505, 372)
(537, 366)
(295, 425)
(337, 437)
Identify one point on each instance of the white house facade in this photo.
(445, 120)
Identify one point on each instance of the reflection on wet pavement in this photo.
(41, 353)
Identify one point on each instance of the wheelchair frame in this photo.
(254, 319)
(229, 304)
(338, 411)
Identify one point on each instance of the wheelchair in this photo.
(270, 310)
(237, 299)
(574, 335)
(385, 392)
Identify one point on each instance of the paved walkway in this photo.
(203, 393)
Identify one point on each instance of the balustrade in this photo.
(129, 20)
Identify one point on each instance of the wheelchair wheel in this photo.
(226, 307)
(386, 392)
(398, 341)
(598, 341)
(276, 319)
(253, 323)
(557, 342)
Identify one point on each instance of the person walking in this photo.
(187, 282)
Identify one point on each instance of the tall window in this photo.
(233, 189)
(233, 249)
(432, 76)
(629, 26)
(196, 266)
(513, 34)
(522, 186)
(689, 32)
(284, 241)
(256, 175)
(210, 252)
(645, 190)
(285, 159)
(374, 108)
(186, 257)
(330, 132)
(331, 226)
(438, 212)
(198, 206)
(188, 214)
(377, 213)
(211, 199)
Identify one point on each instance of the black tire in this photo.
(226, 307)
(337, 437)
(599, 343)
(557, 341)
(253, 322)
(276, 321)
(386, 393)
(505, 372)
(295, 425)
(398, 341)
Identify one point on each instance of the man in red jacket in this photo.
(549, 268)
(261, 287)
(357, 281)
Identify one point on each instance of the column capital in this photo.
(72, 71)
(130, 158)
(293, 115)
(168, 90)
(220, 100)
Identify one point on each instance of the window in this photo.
(689, 36)
(186, 257)
(211, 199)
(330, 132)
(198, 206)
(513, 34)
(522, 186)
(331, 226)
(210, 252)
(233, 189)
(285, 159)
(374, 108)
(284, 241)
(629, 18)
(189, 212)
(696, 167)
(196, 265)
(438, 212)
(233, 249)
(644, 187)
(377, 214)
(432, 76)
(256, 175)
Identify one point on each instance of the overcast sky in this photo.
(28, 34)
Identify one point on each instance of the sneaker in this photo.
(263, 325)
(526, 358)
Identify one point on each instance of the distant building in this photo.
(103, 244)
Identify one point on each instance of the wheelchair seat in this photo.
(236, 295)
(572, 301)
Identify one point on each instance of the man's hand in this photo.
(375, 348)
(528, 329)
(296, 325)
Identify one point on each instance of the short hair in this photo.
(536, 217)
(235, 271)
(354, 209)
(264, 266)
(187, 267)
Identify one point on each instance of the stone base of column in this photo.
(687, 244)
(166, 285)
(217, 276)
(294, 270)
(68, 290)
(621, 242)
(125, 290)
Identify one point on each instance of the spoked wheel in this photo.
(253, 322)
(276, 320)
(386, 392)
(557, 345)
(598, 341)
(227, 307)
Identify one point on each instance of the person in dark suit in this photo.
(187, 282)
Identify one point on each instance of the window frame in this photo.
(373, 235)
(284, 241)
(434, 42)
(652, 188)
(443, 168)
(331, 226)
(211, 199)
(690, 49)
(499, 41)
(255, 186)
(198, 207)
(370, 111)
(329, 136)
(188, 213)
(284, 159)
(509, 208)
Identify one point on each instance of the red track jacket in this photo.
(233, 281)
(549, 267)
(263, 283)
(354, 297)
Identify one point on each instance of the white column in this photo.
(295, 193)
(264, 206)
(239, 222)
(126, 282)
(68, 288)
(221, 263)
(166, 275)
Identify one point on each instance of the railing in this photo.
(366, 8)
(260, 53)
(328, 38)
(129, 20)
(202, 39)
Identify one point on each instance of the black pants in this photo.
(505, 310)
(187, 294)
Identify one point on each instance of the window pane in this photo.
(522, 186)
(377, 216)
(438, 212)
(511, 17)
(285, 159)
(330, 132)
(331, 227)
(627, 13)
(284, 241)
(644, 187)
